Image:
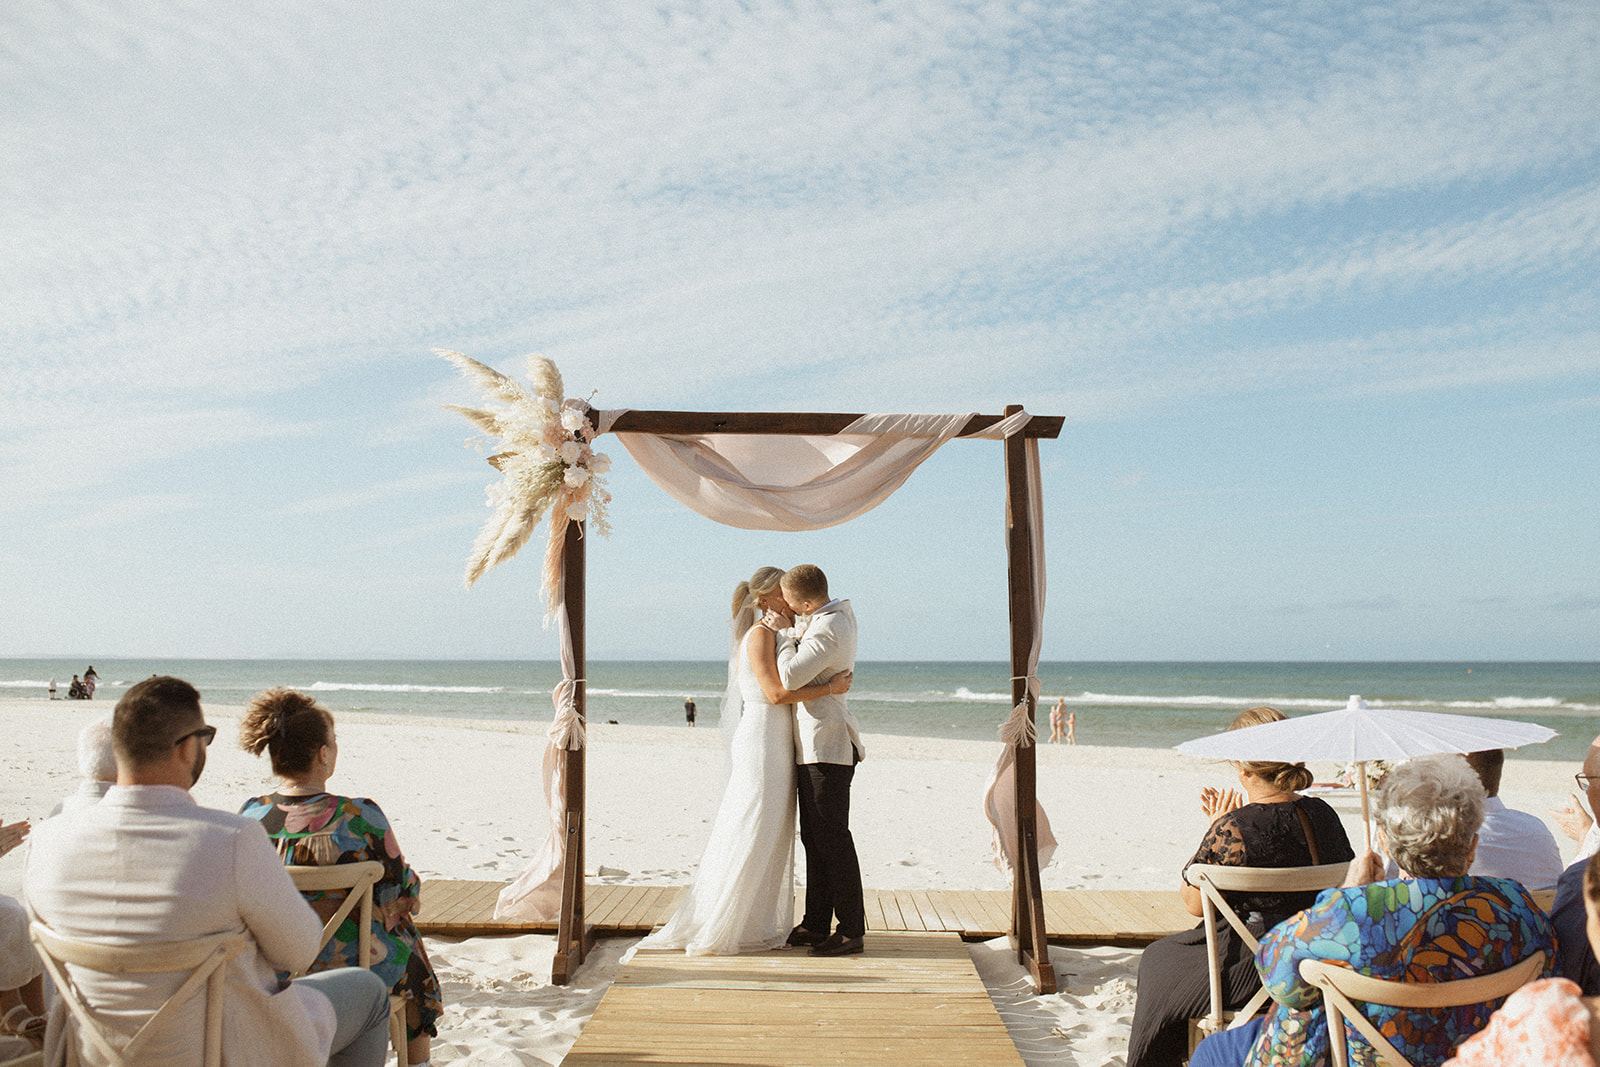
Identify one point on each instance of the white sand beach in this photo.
(466, 802)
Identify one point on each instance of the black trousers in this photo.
(833, 873)
(1174, 988)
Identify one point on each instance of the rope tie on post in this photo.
(1019, 730)
(568, 729)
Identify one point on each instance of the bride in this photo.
(742, 896)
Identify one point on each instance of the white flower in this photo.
(570, 451)
(547, 454)
(600, 463)
(577, 477)
(577, 510)
(571, 419)
(550, 405)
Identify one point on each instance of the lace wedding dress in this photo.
(742, 896)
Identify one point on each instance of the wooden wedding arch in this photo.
(573, 937)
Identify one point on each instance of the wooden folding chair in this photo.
(204, 958)
(1212, 880)
(1341, 986)
(357, 880)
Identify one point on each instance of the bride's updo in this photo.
(745, 612)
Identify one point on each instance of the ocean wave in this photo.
(23, 683)
(377, 687)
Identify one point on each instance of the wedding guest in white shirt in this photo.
(149, 864)
(1511, 843)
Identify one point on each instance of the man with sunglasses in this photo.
(1575, 957)
(148, 864)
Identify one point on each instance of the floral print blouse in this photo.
(1415, 930)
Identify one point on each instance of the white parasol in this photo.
(1358, 733)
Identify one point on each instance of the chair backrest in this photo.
(1213, 880)
(357, 880)
(204, 957)
(1341, 986)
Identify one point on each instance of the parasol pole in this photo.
(1366, 822)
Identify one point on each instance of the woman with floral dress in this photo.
(313, 827)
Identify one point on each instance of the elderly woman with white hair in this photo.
(97, 766)
(1435, 923)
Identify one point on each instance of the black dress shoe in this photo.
(800, 937)
(838, 945)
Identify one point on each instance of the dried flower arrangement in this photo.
(545, 459)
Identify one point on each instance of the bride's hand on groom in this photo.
(774, 621)
(839, 684)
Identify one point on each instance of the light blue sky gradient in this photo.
(1315, 286)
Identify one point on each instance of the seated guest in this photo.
(21, 975)
(1573, 820)
(147, 864)
(313, 827)
(1546, 1023)
(1511, 844)
(1435, 923)
(1267, 824)
(97, 766)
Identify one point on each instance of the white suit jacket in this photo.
(149, 864)
(824, 729)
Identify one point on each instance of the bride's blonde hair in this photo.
(762, 582)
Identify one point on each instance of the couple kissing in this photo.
(794, 744)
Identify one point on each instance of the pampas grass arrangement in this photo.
(545, 461)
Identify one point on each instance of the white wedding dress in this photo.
(742, 896)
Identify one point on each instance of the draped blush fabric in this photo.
(999, 796)
(785, 482)
(791, 482)
(536, 893)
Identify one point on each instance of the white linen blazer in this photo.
(149, 864)
(825, 730)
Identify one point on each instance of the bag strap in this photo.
(1311, 839)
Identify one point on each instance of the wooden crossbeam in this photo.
(790, 422)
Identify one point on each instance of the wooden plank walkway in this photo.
(1080, 916)
(913, 999)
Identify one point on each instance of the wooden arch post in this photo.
(573, 938)
(1028, 932)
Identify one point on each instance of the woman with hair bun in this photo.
(742, 895)
(1266, 823)
(312, 827)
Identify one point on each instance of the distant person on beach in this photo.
(688, 711)
(1072, 727)
(52, 689)
(76, 690)
(742, 896)
(1055, 721)
(312, 827)
(1265, 823)
(90, 681)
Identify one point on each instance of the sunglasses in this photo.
(206, 734)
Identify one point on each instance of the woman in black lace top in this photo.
(1264, 824)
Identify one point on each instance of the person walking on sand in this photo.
(1055, 721)
(688, 710)
(1072, 727)
(827, 749)
(52, 689)
(90, 680)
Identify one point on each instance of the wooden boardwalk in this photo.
(913, 999)
(1079, 916)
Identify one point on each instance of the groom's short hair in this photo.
(806, 582)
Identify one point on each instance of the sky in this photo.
(1314, 286)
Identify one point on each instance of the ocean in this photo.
(1141, 705)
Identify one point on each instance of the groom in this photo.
(827, 749)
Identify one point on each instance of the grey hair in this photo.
(97, 760)
(1429, 809)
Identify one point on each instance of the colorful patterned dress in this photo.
(1415, 930)
(323, 829)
